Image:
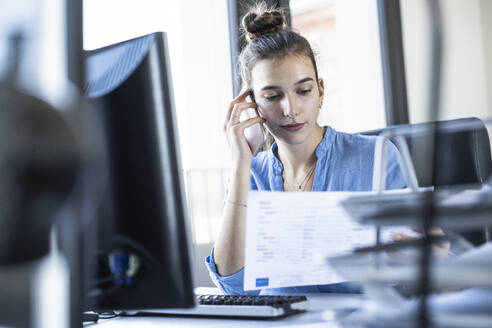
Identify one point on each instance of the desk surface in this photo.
(320, 314)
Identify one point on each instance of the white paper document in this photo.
(290, 234)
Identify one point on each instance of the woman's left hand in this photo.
(439, 249)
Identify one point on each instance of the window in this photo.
(346, 37)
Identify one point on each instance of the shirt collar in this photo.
(324, 147)
(322, 150)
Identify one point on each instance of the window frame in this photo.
(393, 62)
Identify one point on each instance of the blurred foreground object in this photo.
(51, 172)
(39, 161)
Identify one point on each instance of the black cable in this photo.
(90, 317)
(94, 317)
(107, 315)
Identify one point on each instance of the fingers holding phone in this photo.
(255, 135)
(235, 126)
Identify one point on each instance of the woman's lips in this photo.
(293, 127)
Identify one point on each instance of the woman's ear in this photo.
(321, 88)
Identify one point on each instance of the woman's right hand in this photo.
(234, 129)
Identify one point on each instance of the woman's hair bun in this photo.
(261, 20)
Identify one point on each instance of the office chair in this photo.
(463, 144)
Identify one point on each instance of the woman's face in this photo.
(288, 97)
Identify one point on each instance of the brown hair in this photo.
(269, 38)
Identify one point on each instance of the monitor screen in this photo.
(143, 240)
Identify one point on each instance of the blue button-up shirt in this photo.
(344, 163)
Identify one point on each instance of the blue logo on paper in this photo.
(261, 282)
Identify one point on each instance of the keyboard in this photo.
(242, 306)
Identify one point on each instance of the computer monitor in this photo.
(143, 241)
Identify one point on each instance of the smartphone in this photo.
(255, 135)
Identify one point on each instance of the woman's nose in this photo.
(288, 107)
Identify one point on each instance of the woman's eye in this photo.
(272, 98)
(304, 92)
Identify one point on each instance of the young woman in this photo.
(279, 69)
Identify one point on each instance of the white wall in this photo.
(464, 74)
(486, 19)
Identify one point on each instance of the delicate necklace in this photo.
(306, 178)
